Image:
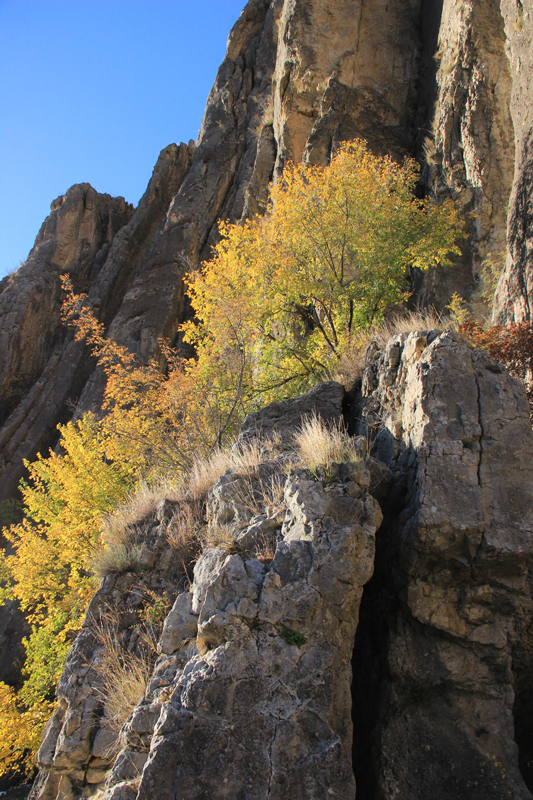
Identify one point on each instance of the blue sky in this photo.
(91, 91)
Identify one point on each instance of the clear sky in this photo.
(91, 91)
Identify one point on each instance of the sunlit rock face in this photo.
(515, 290)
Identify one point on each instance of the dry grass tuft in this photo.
(221, 536)
(351, 364)
(117, 527)
(243, 459)
(118, 558)
(321, 446)
(124, 676)
(184, 534)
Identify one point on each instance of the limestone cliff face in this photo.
(513, 298)
(416, 559)
(468, 138)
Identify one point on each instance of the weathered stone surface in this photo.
(451, 588)
(81, 740)
(36, 352)
(469, 145)
(265, 697)
(515, 290)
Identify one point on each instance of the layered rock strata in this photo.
(515, 290)
(101, 243)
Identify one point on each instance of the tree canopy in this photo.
(330, 257)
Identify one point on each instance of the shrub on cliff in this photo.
(286, 291)
(512, 345)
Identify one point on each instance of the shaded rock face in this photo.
(250, 695)
(100, 242)
(440, 649)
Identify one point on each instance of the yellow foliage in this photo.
(285, 292)
(64, 496)
(274, 311)
(21, 731)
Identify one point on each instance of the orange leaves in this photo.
(512, 345)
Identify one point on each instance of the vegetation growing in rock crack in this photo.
(276, 310)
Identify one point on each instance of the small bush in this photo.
(512, 345)
(351, 363)
(292, 637)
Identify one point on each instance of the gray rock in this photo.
(282, 419)
(457, 427)
(180, 625)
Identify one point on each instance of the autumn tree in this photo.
(274, 310)
(330, 257)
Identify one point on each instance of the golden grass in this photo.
(242, 458)
(117, 527)
(319, 445)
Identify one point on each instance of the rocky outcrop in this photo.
(449, 607)
(255, 656)
(299, 77)
(250, 694)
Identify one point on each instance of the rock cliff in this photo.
(364, 628)
(416, 559)
(447, 83)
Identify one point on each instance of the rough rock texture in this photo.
(251, 692)
(79, 745)
(449, 607)
(250, 695)
(470, 147)
(515, 291)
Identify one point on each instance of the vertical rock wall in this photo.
(450, 602)
(515, 290)
(250, 695)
